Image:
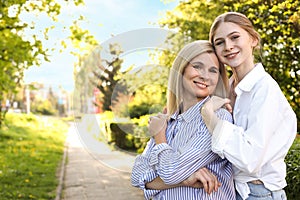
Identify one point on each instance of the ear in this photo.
(254, 42)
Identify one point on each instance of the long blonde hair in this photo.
(187, 53)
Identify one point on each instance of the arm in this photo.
(174, 166)
(264, 129)
(158, 184)
(201, 178)
(145, 177)
(142, 172)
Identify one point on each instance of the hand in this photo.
(216, 103)
(157, 125)
(203, 177)
(208, 111)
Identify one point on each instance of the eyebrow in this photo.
(197, 62)
(227, 35)
(200, 63)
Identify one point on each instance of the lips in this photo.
(231, 55)
(201, 84)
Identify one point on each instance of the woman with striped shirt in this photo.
(180, 148)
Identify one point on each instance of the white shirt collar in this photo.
(248, 82)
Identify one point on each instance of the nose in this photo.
(203, 74)
(228, 45)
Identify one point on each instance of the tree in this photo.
(278, 23)
(17, 52)
(87, 50)
(108, 77)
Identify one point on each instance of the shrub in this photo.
(121, 133)
(136, 111)
(127, 134)
(293, 171)
(43, 107)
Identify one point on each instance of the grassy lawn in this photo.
(31, 149)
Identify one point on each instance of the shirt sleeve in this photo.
(175, 166)
(143, 173)
(265, 128)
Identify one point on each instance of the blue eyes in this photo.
(221, 41)
(212, 70)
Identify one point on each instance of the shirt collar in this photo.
(191, 113)
(248, 82)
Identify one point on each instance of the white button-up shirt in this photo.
(264, 129)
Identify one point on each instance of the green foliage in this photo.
(86, 49)
(293, 171)
(278, 23)
(43, 107)
(105, 119)
(144, 108)
(31, 150)
(122, 133)
(131, 134)
(146, 88)
(17, 52)
(191, 21)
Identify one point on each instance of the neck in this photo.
(241, 71)
(187, 103)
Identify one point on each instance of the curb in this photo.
(62, 175)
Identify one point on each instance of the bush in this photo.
(105, 119)
(127, 134)
(144, 108)
(293, 171)
(122, 134)
(43, 107)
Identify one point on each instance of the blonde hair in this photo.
(238, 19)
(188, 53)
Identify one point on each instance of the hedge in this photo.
(293, 171)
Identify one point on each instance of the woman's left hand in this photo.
(203, 178)
(208, 111)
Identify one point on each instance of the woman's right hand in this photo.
(203, 178)
(157, 127)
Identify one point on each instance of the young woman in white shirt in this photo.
(264, 123)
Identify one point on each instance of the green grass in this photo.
(31, 150)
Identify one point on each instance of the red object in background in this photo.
(98, 104)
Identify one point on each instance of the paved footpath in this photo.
(95, 172)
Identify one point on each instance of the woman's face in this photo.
(233, 45)
(201, 76)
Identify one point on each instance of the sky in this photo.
(106, 20)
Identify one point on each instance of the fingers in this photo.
(157, 124)
(217, 102)
(228, 107)
(209, 180)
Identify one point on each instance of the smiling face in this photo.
(233, 45)
(200, 76)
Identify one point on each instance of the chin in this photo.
(202, 96)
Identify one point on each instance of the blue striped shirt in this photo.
(188, 149)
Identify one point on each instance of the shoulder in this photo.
(224, 114)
